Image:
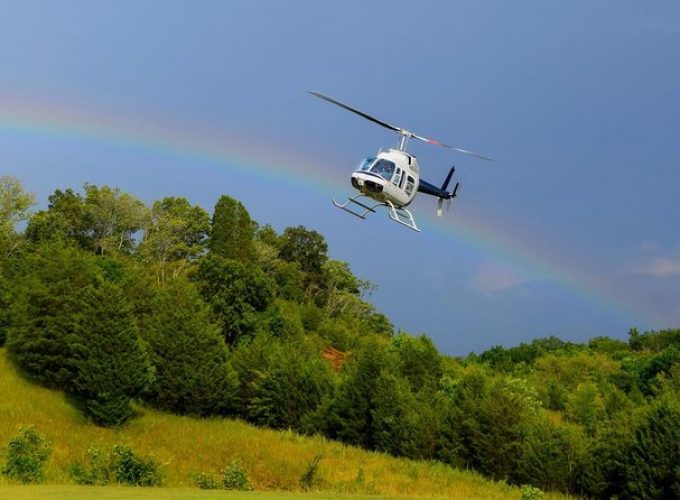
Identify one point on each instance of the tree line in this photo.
(114, 302)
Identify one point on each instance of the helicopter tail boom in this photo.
(440, 192)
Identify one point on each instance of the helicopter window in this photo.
(384, 169)
(410, 184)
(397, 178)
(365, 164)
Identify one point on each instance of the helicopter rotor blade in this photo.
(360, 113)
(455, 148)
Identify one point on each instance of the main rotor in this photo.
(404, 134)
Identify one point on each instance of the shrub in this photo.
(531, 493)
(234, 477)
(206, 481)
(128, 468)
(309, 476)
(27, 453)
(94, 471)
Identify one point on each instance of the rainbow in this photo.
(508, 243)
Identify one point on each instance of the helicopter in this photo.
(391, 178)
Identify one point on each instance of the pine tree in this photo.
(188, 353)
(48, 282)
(111, 365)
(651, 464)
(232, 231)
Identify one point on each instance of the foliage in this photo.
(651, 464)
(238, 294)
(94, 470)
(45, 306)
(206, 481)
(188, 354)
(232, 231)
(288, 384)
(112, 366)
(15, 204)
(531, 493)
(130, 469)
(309, 250)
(309, 477)
(235, 477)
(175, 235)
(26, 455)
(112, 301)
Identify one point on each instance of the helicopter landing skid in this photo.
(400, 215)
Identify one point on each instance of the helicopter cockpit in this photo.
(380, 167)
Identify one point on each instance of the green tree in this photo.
(233, 231)
(105, 220)
(417, 360)
(112, 218)
(15, 204)
(309, 250)
(239, 295)
(112, 367)
(63, 220)
(350, 417)
(289, 385)
(175, 235)
(46, 301)
(552, 455)
(651, 463)
(188, 354)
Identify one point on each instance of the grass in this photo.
(275, 461)
(122, 493)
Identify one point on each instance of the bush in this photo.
(307, 479)
(94, 471)
(206, 481)
(234, 477)
(531, 493)
(27, 453)
(128, 468)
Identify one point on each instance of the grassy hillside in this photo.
(186, 446)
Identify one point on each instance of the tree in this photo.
(105, 220)
(552, 455)
(351, 415)
(309, 249)
(48, 283)
(232, 231)
(188, 353)
(15, 204)
(111, 365)
(418, 360)
(175, 235)
(289, 384)
(651, 464)
(63, 220)
(239, 295)
(112, 218)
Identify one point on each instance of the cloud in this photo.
(491, 277)
(661, 267)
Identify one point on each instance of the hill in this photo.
(274, 460)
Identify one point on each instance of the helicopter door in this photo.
(410, 184)
(398, 178)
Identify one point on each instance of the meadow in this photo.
(185, 446)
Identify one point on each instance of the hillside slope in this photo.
(186, 446)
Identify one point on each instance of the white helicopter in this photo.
(392, 178)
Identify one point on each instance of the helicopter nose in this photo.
(375, 187)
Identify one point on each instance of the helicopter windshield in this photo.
(384, 168)
(365, 164)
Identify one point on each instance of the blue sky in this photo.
(572, 232)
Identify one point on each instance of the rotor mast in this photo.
(404, 136)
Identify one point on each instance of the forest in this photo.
(120, 303)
